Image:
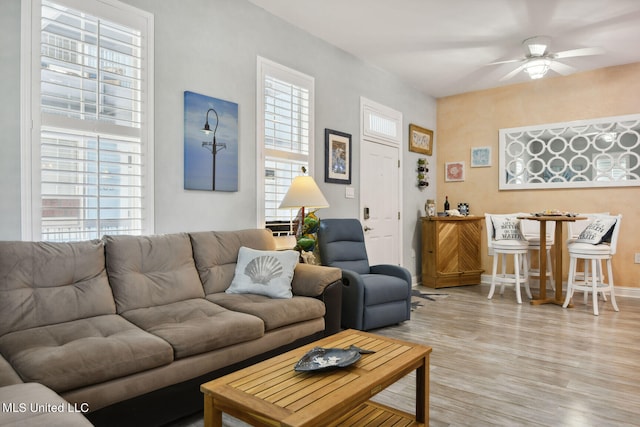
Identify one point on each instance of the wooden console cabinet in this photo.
(451, 251)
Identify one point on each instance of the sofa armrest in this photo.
(310, 280)
(325, 284)
(332, 298)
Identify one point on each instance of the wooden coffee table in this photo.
(271, 393)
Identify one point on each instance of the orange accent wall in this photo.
(473, 120)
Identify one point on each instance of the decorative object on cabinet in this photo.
(422, 173)
(463, 208)
(480, 157)
(454, 171)
(337, 157)
(430, 207)
(451, 251)
(420, 140)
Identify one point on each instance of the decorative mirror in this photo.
(601, 152)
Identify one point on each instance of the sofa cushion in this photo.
(216, 254)
(33, 404)
(196, 326)
(8, 375)
(274, 312)
(69, 355)
(146, 271)
(266, 273)
(43, 283)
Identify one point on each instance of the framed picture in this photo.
(337, 157)
(454, 171)
(210, 143)
(480, 157)
(420, 140)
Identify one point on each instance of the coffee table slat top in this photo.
(273, 393)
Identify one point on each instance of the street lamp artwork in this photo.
(212, 170)
(212, 146)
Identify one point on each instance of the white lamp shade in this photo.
(304, 193)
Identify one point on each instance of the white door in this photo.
(380, 202)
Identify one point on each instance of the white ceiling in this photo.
(441, 47)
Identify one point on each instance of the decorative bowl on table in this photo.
(319, 359)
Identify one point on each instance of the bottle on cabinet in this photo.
(446, 203)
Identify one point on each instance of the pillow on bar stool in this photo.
(507, 228)
(599, 231)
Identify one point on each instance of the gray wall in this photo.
(210, 47)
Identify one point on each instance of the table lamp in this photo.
(303, 193)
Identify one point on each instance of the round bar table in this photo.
(557, 272)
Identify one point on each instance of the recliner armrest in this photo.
(392, 270)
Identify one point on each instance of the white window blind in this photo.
(286, 123)
(93, 138)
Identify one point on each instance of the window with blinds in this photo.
(93, 137)
(285, 137)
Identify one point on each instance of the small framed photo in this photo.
(480, 157)
(454, 171)
(420, 140)
(337, 157)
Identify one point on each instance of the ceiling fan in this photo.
(538, 59)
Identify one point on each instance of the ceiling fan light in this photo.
(537, 68)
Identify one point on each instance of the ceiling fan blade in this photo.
(513, 73)
(508, 61)
(585, 51)
(561, 68)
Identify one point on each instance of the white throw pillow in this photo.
(507, 228)
(598, 231)
(266, 273)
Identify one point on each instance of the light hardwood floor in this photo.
(495, 362)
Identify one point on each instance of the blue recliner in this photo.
(372, 296)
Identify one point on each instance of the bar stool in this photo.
(574, 229)
(504, 238)
(593, 245)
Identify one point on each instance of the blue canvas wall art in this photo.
(211, 158)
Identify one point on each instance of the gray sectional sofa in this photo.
(105, 321)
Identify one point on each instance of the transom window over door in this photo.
(285, 138)
(90, 150)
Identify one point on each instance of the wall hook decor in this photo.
(422, 173)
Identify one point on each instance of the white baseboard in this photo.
(621, 291)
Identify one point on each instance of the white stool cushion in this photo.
(588, 249)
(510, 245)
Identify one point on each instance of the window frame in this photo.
(31, 124)
(281, 72)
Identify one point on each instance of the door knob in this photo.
(367, 228)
